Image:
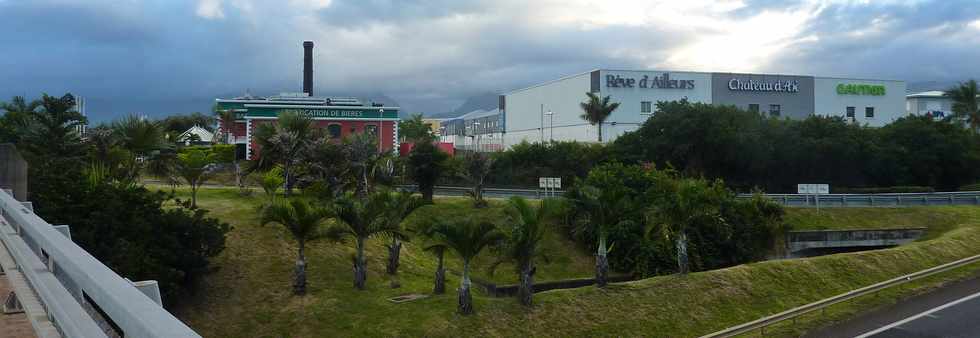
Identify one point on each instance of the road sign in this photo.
(813, 189)
(549, 182)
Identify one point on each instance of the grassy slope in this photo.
(249, 295)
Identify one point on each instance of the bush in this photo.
(970, 187)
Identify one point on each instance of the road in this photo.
(950, 311)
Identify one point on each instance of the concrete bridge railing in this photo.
(79, 293)
(822, 239)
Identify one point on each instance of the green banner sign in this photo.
(860, 89)
(339, 113)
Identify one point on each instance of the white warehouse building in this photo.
(551, 110)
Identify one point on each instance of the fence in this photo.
(876, 200)
(77, 290)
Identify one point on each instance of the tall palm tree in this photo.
(397, 206)
(362, 152)
(425, 229)
(597, 109)
(523, 242)
(361, 219)
(303, 222)
(966, 104)
(467, 238)
(139, 135)
(602, 208)
(287, 142)
(17, 117)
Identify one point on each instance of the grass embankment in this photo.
(249, 296)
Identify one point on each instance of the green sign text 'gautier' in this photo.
(860, 89)
(338, 113)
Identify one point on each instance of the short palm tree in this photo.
(303, 222)
(602, 208)
(397, 206)
(523, 242)
(287, 142)
(466, 238)
(478, 166)
(361, 219)
(688, 203)
(966, 104)
(362, 152)
(139, 135)
(597, 109)
(194, 166)
(425, 229)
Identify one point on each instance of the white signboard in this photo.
(549, 182)
(813, 189)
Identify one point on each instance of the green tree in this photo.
(287, 142)
(523, 242)
(397, 206)
(415, 130)
(478, 166)
(303, 222)
(685, 204)
(139, 135)
(271, 182)
(362, 154)
(426, 230)
(603, 209)
(966, 104)
(467, 238)
(596, 110)
(17, 118)
(193, 165)
(427, 164)
(361, 219)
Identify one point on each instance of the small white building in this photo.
(196, 135)
(933, 103)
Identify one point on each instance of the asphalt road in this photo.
(950, 311)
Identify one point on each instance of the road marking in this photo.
(923, 314)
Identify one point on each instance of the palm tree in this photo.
(18, 116)
(687, 203)
(597, 109)
(361, 219)
(467, 238)
(966, 104)
(602, 208)
(193, 165)
(272, 180)
(478, 166)
(303, 222)
(397, 206)
(139, 135)
(287, 142)
(425, 228)
(362, 152)
(523, 243)
(427, 164)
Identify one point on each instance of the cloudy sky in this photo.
(172, 56)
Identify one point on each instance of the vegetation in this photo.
(287, 142)
(303, 222)
(966, 103)
(524, 239)
(478, 167)
(415, 130)
(427, 163)
(361, 219)
(596, 110)
(397, 207)
(467, 239)
(257, 263)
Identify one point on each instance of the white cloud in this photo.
(210, 9)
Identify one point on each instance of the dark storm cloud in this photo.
(159, 56)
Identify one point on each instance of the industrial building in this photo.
(340, 116)
(551, 111)
(931, 103)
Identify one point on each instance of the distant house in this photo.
(196, 136)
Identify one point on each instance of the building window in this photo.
(869, 112)
(754, 108)
(850, 112)
(371, 129)
(774, 110)
(646, 107)
(335, 130)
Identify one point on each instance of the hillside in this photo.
(249, 295)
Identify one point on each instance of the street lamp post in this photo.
(551, 125)
(476, 135)
(381, 114)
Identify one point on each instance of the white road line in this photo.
(926, 313)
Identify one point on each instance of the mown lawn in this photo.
(249, 294)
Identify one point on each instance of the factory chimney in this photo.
(308, 67)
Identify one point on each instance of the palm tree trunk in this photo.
(601, 264)
(682, 261)
(299, 275)
(465, 299)
(440, 284)
(289, 187)
(360, 266)
(394, 253)
(363, 191)
(600, 132)
(194, 187)
(525, 291)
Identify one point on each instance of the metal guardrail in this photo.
(761, 323)
(876, 200)
(135, 314)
